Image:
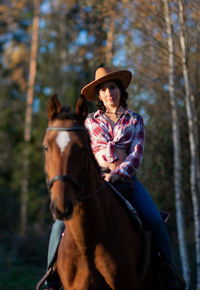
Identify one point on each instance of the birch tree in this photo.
(193, 142)
(177, 149)
(28, 119)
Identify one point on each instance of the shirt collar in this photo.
(100, 113)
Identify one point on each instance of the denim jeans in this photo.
(151, 218)
(54, 241)
(148, 212)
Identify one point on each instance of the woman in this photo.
(117, 141)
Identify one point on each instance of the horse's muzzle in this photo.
(62, 215)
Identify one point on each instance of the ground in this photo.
(20, 276)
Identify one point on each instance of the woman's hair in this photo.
(123, 97)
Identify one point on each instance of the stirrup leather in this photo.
(46, 275)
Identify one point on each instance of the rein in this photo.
(67, 177)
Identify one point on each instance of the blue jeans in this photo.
(151, 218)
(54, 241)
(149, 214)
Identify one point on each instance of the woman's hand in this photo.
(111, 177)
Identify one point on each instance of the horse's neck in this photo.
(89, 216)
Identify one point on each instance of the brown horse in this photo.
(100, 249)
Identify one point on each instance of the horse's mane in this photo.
(66, 113)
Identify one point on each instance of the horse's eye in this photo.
(45, 148)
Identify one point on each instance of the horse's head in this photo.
(66, 146)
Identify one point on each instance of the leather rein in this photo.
(67, 178)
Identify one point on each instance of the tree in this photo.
(177, 150)
(193, 141)
(28, 119)
(14, 58)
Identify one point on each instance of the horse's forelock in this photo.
(66, 114)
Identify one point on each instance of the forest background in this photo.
(160, 43)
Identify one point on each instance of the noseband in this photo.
(65, 178)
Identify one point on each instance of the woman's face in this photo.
(109, 94)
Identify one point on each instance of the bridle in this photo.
(67, 178)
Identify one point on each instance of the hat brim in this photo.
(124, 76)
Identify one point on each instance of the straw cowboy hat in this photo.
(104, 74)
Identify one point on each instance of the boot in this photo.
(172, 280)
(52, 283)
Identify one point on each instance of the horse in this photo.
(100, 249)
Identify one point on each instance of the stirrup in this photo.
(46, 275)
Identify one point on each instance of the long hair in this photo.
(123, 97)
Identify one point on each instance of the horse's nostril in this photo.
(53, 206)
(68, 210)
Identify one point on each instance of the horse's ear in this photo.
(53, 108)
(82, 108)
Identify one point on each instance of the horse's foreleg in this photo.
(120, 275)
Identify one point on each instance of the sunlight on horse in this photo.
(100, 249)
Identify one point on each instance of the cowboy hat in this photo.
(104, 74)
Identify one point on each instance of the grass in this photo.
(20, 277)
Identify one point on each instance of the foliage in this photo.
(20, 276)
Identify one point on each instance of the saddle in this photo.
(123, 191)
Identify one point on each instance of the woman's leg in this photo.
(149, 214)
(151, 218)
(54, 241)
(53, 281)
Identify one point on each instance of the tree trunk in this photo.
(28, 120)
(110, 39)
(59, 6)
(193, 141)
(177, 149)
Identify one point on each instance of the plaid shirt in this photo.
(127, 134)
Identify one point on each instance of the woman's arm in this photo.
(132, 162)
